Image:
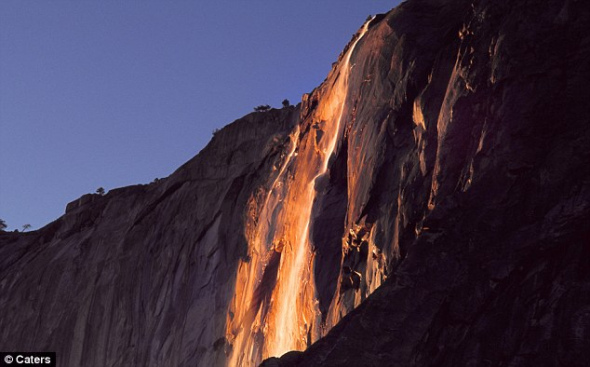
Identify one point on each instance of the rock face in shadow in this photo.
(470, 152)
(447, 224)
(142, 276)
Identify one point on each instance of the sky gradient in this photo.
(116, 93)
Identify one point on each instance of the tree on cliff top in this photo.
(262, 108)
(2, 225)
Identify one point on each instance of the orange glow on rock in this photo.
(275, 307)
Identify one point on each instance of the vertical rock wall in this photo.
(480, 196)
(432, 196)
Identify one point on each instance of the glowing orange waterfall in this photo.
(275, 308)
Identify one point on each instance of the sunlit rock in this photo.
(426, 205)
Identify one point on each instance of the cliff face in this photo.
(143, 275)
(470, 149)
(427, 204)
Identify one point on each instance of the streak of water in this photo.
(274, 309)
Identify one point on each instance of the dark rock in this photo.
(142, 275)
(489, 130)
(449, 227)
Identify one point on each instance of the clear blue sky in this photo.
(114, 93)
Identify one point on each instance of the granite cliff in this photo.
(427, 204)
